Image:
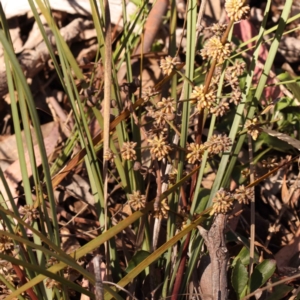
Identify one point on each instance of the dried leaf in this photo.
(283, 137)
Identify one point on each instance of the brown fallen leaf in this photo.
(13, 173)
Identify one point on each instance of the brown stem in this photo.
(201, 117)
(159, 185)
(22, 277)
(153, 25)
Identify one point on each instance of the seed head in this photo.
(159, 118)
(270, 163)
(137, 201)
(253, 128)
(159, 146)
(217, 143)
(245, 172)
(168, 64)
(218, 29)
(236, 10)
(203, 100)
(222, 202)
(214, 49)
(236, 96)
(220, 109)
(195, 153)
(162, 210)
(30, 212)
(109, 156)
(166, 105)
(51, 283)
(150, 92)
(6, 243)
(128, 152)
(243, 195)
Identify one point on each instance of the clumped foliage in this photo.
(169, 183)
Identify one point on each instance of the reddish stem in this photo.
(20, 274)
(181, 267)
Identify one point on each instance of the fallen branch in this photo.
(216, 270)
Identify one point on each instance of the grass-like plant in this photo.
(157, 151)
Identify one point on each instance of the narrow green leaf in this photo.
(137, 259)
(293, 85)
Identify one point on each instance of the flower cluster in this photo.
(150, 92)
(232, 74)
(109, 156)
(128, 152)
(222, 202)
(30, 212)
(51, 283)
(218, 29)
(236, 10)
(168, 64)
(195, 153)
(253, 128)
(137, 201)
(167, 105)
(269, 163)
(243, 195)
(159, 146)
(6, 244)
(209, 100)
(215, 145)
(162, 210)
(221, 108)
(203, 100)
(214, 49)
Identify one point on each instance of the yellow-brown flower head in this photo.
(217, 143)
(31, 213)
(232, 73)
(127, 151)
(6, 244)
(168, 64)
(195, 152)
(253, 128)
(150, 92)
(159, 146)
(220, 109)
(236, 10)
(51, 283)
(269, 163)
(203, 100)
(159, 118)
(236, 96)
(137, 201)
(214, 49)
(245, 172)
(243, 195)
(162, 210)
(173, 175)
(218, 29)
(222, 202)
(109, 156)
(166, 105)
